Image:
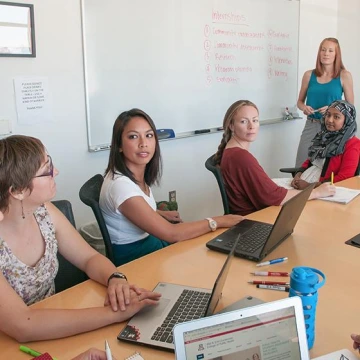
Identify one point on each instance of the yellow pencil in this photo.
(332, 178)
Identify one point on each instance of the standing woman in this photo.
(136, 228)
(319, 88)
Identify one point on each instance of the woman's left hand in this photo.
(300, 184)
(118, 293)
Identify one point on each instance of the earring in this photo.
(22, 209)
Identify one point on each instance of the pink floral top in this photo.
(33, 283)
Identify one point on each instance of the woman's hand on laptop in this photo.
(119, 293)
(137, 302)
(227, 221)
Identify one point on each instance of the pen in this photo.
(332, 178)
(270, 262)
(31, 352)
(107, 350)
(268, 282)
(273, 287)
(270, 273)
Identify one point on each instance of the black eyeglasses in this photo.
(51, 169)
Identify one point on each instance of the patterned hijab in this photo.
(331, 143)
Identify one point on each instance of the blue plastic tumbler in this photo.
(304, 282)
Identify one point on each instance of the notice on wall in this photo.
(32, 100)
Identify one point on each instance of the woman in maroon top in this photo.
(334, 150)
(247, 186)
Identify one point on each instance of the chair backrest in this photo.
(210, 165)
(89, 195)
(294, 170)
(68, 274)
(357, 172)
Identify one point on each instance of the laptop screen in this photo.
(272, 335)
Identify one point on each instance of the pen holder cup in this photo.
(304, 282)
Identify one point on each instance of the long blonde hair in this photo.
(229, 120)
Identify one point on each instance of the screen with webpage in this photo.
(268, 336)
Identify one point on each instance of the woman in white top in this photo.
(126, 200)
(32, 231)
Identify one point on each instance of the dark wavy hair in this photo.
(153, 170)
(20, 158)
(229, 120)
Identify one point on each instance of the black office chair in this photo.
(89, 195)
(210, 165)
(68, 274)
(291, 170)
(294, 170)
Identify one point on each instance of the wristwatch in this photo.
(118, 275)
(212, 224)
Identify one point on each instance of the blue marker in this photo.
(270, 262)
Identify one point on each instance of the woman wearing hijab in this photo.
(335, 149)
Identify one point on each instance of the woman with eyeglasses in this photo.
(32, 231)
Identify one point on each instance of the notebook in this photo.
(135, 356)
(153, 325)
(258, 239)
(342, 195)
(273, 330)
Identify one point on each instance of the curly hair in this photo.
(20, 158)
(228, 120)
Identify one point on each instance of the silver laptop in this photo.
(153, 325)
(258, 239)
(273, 330)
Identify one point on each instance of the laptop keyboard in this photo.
(252, 239)
(190, 305)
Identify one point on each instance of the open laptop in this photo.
(258, 239)
(153, 325)
(273, 330)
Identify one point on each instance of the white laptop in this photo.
(273, 330)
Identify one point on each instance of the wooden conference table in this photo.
(318, 241)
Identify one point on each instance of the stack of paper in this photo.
(342, 195)
(283, 182)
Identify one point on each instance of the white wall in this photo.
(348, 34)
(59, 57)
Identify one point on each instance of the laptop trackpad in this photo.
(154, 311)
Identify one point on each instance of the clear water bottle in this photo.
(304, 282)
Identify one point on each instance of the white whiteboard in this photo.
(184, 62)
